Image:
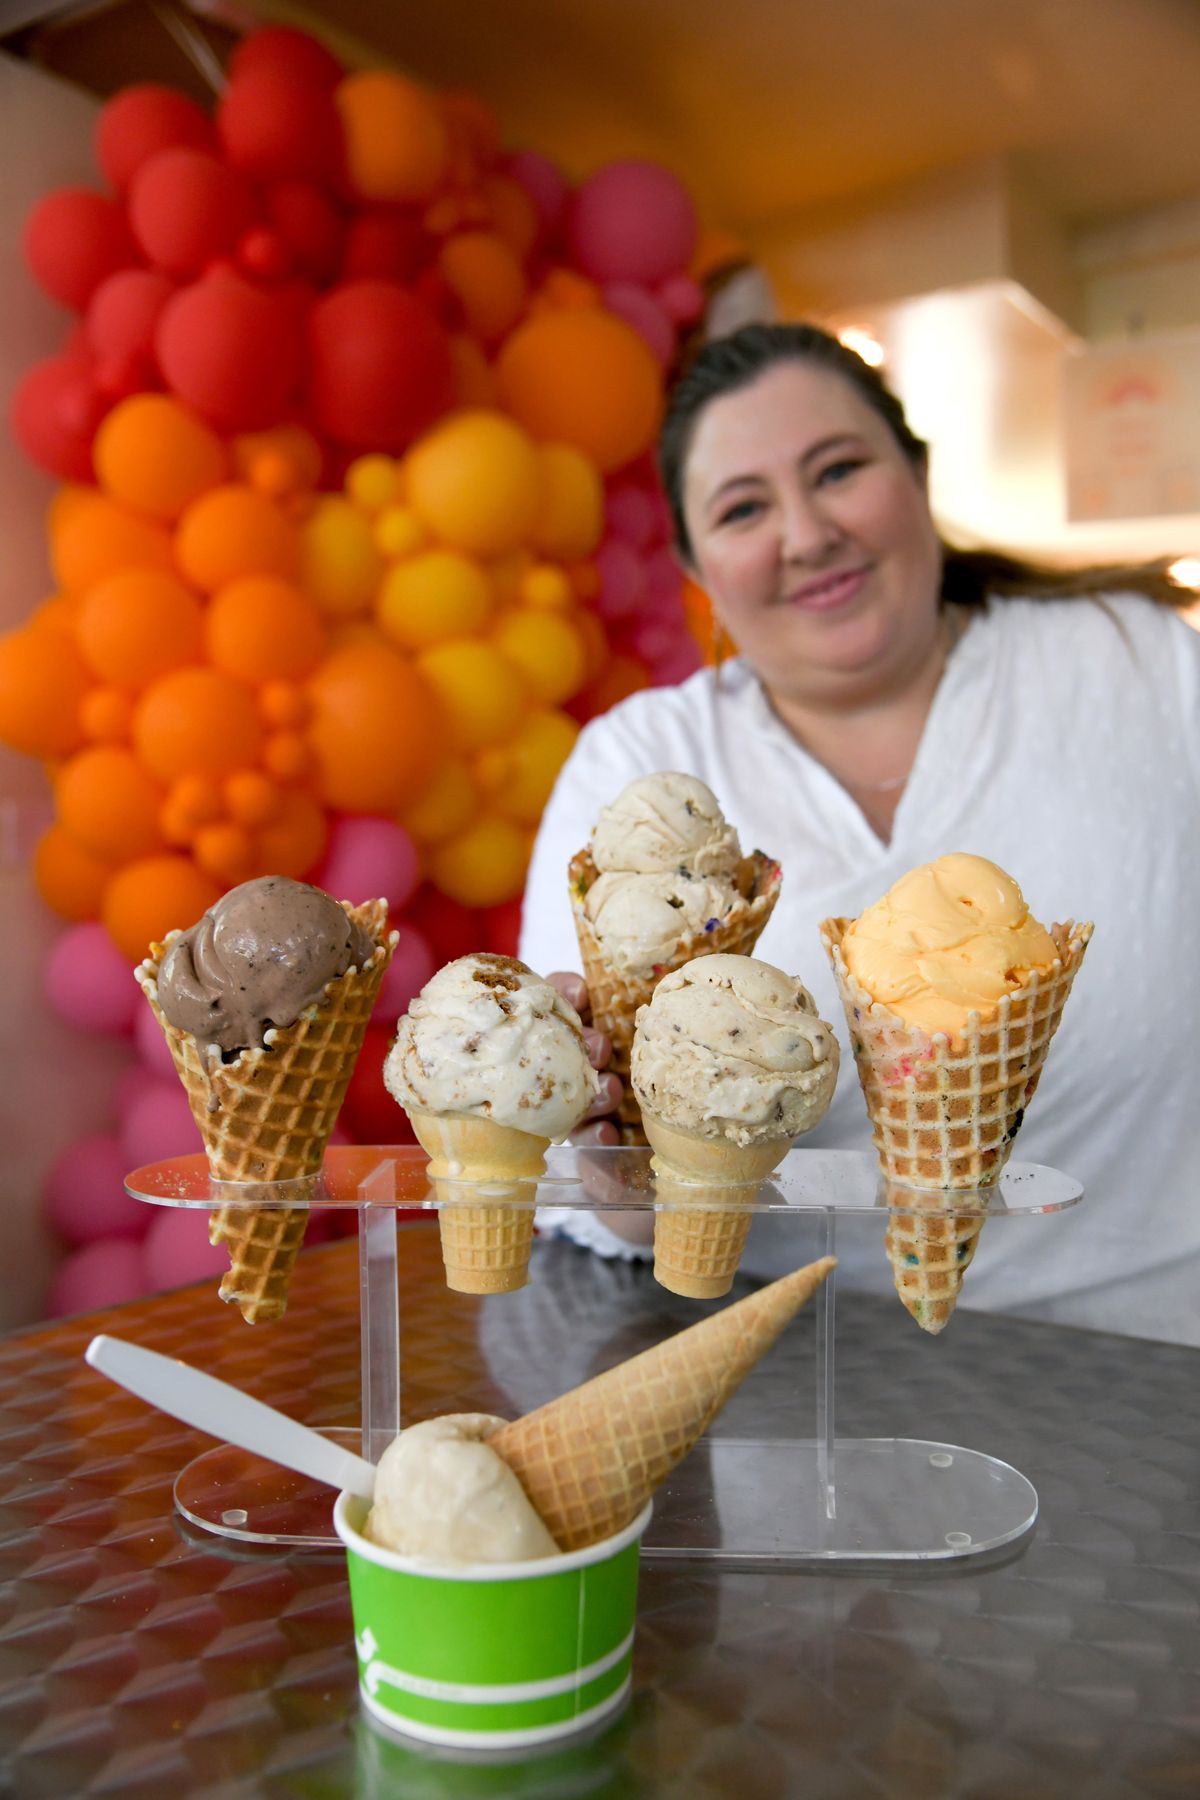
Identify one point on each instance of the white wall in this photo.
(55, 1085)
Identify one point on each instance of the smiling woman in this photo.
(894, 700)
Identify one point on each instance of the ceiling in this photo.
(768, 107)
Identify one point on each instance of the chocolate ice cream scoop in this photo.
(267, 950)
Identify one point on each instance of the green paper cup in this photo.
(492, 1656)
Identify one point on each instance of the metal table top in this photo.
(137, 1659)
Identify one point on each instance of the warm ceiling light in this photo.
(1186, 572)
(862, 344)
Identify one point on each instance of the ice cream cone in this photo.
(266, 1115)
(590, 1461)
(930, 1250)
(616, 995)
(485, 1248)
(945, 1110)
(707, 1186)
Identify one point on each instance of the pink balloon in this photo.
(90, 984)
(132, 1083)
(678, 663)
(622, 579)
(151, 1044)
(177, 1250)
(84, 1198)
(629, 514)
(106, 1273)
(681, 298)
(411, 967)
(663, 576)
(545, 184)
(642, 311)
(158, 1125)
(632, 221)
(368, 859)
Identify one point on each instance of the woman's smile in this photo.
(826, 593)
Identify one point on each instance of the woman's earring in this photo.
(721, 643)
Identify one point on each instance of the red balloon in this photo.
(275, 126)
(121, 322)
(387, 243)
(380, 368)
(369, 1112)
(449, 929)
(502, 927)
(189, 210)
(231, 351)
(139, 122)
(312, 229)
(56, 411)
(286, 51)
(73, 240)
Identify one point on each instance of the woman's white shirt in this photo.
(1064, 743)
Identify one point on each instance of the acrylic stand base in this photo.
(732, 1502)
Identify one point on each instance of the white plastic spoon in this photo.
(226, 1412)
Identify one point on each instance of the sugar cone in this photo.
(944, 1111)
(485, 1249)
(707, 1186)
(590, 1461)
(267, 1115)
(930, 1250)
(615, 995)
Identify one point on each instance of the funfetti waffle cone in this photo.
(485, 1248)
(930, 1250)
(266, 1115)
(590, 1461)
(945, 1110)
(707, 1186)
(615, 995)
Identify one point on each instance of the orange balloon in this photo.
(43, 681)
(483, 865)
(287, 756)
(586, 378)
(281, 703)
(571, 521)
(513, 213)
(262, 629)
(621, 676)
(251, 798)
(147, 899)
(108, 804)
(595, 644)
(69, 878)
(284, 460)
(197, 722)
(474, 383)
(137, 625)
(396, 143)
(376, 729)
(60, 612)
(447, 803)
(107, 715)
(94, 538)
(153, 454)
(479, 689)
(486, 277)
(232, 532)
(224, 851)
(294, 841)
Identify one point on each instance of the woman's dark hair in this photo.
(968, 576)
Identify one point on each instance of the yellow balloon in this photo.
(372, 482)
(547, 649)
(531, 763)
(431, 597)
(483, 865)
(480, 691)
(547, 588)
(476, 482)
(571, 521)
(448, 804)
(339, 564)
(399, 532)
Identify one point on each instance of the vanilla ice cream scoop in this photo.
(442, 1494)
(950, 938)
(732, 1048)
(665, 823)
(488, 1038)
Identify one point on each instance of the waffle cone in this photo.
(930, 1250)
(945, 1110)
(615, 995)
(707, 1186)
(485, 1249)
(590, 1461)
(267, 1115)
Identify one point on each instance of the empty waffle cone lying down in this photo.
(945, 1110)
(590, 1461)
(485, 1249)
(614, 996)
(266, 1115)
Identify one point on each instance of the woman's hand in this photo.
(598, 1128)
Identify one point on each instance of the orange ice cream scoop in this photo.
(949, 939)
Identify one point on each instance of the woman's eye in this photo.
(741, 509)
(839, 470)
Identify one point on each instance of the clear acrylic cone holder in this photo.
(814, 1498)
